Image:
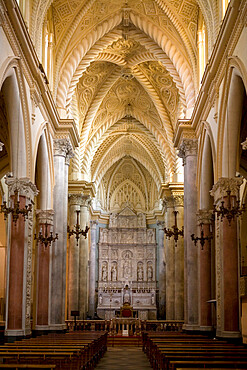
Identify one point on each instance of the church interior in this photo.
(123, 171)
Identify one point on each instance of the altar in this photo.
(127, 267)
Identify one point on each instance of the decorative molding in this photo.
(23, 185)
(189, 147)
(219, 189)
(45, 216)
(204, 216)
(63, 147)
(80, 200)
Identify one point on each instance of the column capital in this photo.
(178, 200)
(168, 202)
(204, 216)
(63, 147)
(93, 224)
(79, 199)
(23, 185)
(219, 190)
(188, 147)
(161, 225)
(45, 216)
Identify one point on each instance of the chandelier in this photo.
(46, 240)
(175, 232)
(231, 209)
(202, 238)
(77, 231)
(15, 210)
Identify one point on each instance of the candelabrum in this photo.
(46, 240)
(231, 210)
(15, 210)
(175, 232)
(202, 238)
(78, 231)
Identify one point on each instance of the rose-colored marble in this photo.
(205, 280)
(43, 281)
(16, 265)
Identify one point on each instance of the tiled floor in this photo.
(127, 358)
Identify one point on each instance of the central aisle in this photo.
(127, 358)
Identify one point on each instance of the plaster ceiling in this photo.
(126, 71)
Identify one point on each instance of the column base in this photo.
(206, 328)
(191, 327)
(228, 334)
(57, 327)
(17, 333)
(42, 327)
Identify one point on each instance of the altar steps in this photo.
(120, 341)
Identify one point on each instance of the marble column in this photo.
(43, 270)
(84, 258)
(74, 254)
(205, 308)
(188, 151)
(19, 261)
(92, 269)
(227, 265)
(62, 153)
(161, 271)
(170, 260)
(179, 261)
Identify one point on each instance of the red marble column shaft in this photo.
(205, 280)
(43, 280)
(16, 266)
(230, 274)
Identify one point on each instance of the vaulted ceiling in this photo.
(125, 71)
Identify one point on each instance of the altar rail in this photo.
(116, 326)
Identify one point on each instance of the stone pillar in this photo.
(73, 260)
(62, 152)
(169, 258)
(188, 151)
(179, 261)
(43, 270)
(227, 295)
(83, 279)
(19, 261)
(92, 269)
(205, 308)
(161, 272)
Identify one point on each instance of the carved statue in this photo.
(104, 273)
(100, 299)
(126, 297)
(150, 273)
(114, 273)
(140, 273)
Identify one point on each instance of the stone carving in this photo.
(114, 273)
(127, 269)
(140, 271)
(188, 147)
(104, 272)
(63, 147)
(150, 272)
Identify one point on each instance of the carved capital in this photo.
(24, 186)
(45, 216)
(168, 202)
(189, 147)
(219, 189)
(80, 200)
(161, 225)
(244, 144)
(178, 200)
(93, 224)
(204, 216)
(63, 147)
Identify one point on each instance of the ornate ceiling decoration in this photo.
(126, 71)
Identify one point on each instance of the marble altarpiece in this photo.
(127, 266)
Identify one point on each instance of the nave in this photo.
(79, 350)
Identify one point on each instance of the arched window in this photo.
(202, 46)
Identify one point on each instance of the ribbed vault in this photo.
(126, 71)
